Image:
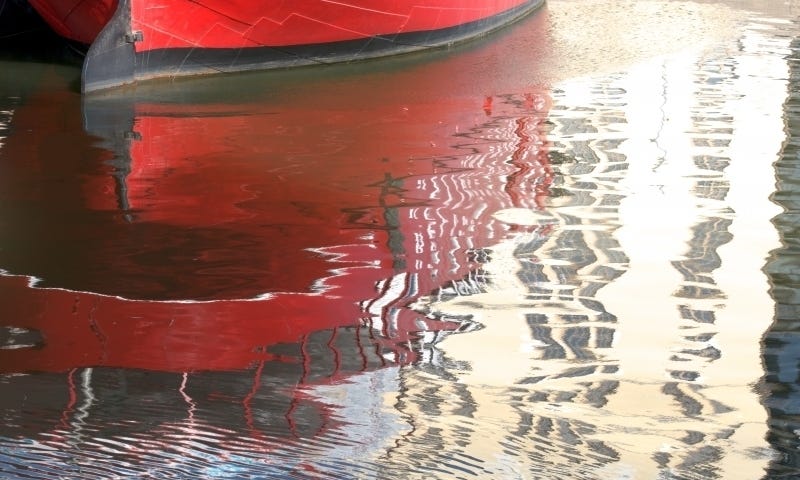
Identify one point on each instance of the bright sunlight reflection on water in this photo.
(633, 322)
(557, 257)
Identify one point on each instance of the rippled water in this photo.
(569, 251)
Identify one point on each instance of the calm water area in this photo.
(570, 250)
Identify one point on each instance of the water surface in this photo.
(565, 251)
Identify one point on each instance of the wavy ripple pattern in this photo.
(606, 327)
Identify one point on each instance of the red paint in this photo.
(201, 37)
(247, 23)
(79, 20)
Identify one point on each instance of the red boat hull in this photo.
(135, 40)
(77, 20)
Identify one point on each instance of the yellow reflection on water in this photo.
(625, 340)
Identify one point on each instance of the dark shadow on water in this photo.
(781, 344)
(24, 36)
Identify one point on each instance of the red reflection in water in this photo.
(224, 251)
(195, 235)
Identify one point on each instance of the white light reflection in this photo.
(672, 206)
(646, 344)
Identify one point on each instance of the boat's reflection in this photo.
(202, 232)
(206, 263)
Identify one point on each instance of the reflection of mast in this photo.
(391, 217)
(78, 411)
(73, 398)
(537, 171)
(122, 168)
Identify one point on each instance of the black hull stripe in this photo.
(179, 62)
